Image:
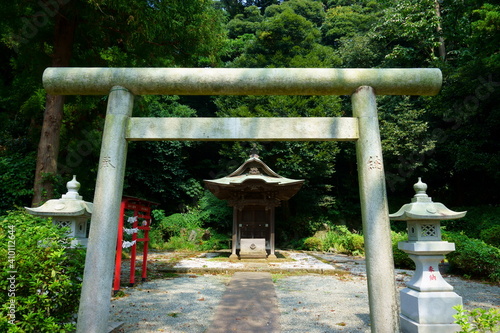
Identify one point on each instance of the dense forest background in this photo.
(450, 140)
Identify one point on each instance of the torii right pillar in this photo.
(375, 214)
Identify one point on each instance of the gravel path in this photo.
(308, 303)
(323, 304)
(183, 304)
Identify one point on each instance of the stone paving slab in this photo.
(297, 262)
(249, 305)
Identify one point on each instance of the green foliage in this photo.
(160, 170)
(236, 7)
(178, 224)
(218, 214)
(47, 276)
(473, 257)
(411, 34)
(477, 220)
(282, 37)
(491, 236)
(156, 240)
(312, 244)
(246, 23)
(401, 259)
(346, 21)
(180, 32)
(340, 239)
(185, 231)
(16, 180)
(215, 242)
(486, 28)
(337, 239)
(179, 243)
(287, 36)
(405, 138)
(450, 137)
(477, 320)
(312, 11)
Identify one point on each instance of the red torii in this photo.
(141, 211)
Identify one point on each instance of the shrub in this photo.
(341, 240)
(401, 259)
(491, 236)
(185, 232)
(332, 241)
(178, 224)
(216, 241)
(357, 244)
(16, 179)
(218, 215)
(295, 244)
(477, 320)
(478, 218)
(46, 283)
(312, 244)
(179, 243)
(473, 257)
(156, 239)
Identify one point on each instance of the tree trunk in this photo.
(442, 48)
(48, 147)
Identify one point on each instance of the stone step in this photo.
(249, 305)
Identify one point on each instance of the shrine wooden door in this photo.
(254, 223)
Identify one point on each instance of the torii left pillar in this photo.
(98, 272)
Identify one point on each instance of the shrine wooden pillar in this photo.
(235, 234)
(272, 236)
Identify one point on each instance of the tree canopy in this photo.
(449, 139)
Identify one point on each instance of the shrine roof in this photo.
(254, 170)
(254, 176)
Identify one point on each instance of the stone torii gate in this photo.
(123, 83)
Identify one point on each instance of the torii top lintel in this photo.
(241, 81)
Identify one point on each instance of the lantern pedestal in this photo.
(427, 304)
(426, 312)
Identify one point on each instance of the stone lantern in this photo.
(70, 211)
(427, 302)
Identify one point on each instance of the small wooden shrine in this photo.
(254, 191)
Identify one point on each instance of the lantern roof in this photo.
(423, 208)
(70, 204)
(254, 175)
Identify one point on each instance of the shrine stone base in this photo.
(428, 312)
(253, 248)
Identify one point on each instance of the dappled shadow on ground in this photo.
(169, 305)
(323, 304)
